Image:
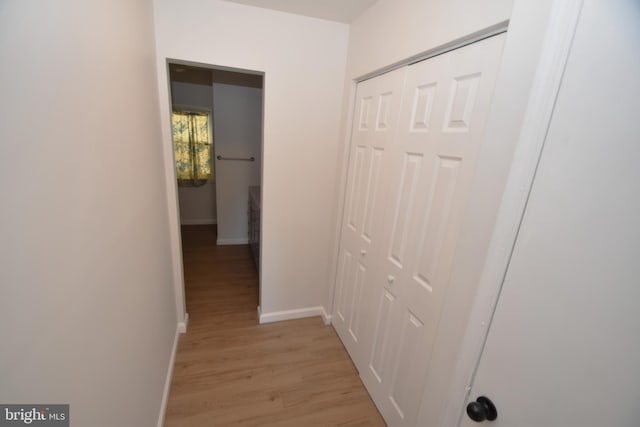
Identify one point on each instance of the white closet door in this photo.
(433, 157)
(377, 107)
(564, 344)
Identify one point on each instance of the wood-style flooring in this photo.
(232, 371)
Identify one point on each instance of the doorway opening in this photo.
(216, 118)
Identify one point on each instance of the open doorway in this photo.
(217, 137)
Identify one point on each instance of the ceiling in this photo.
(333, 10)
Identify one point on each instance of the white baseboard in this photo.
(298, 313)
(241, 241)
(198, 221)
(326, 317)
(167, 381)
(182, 326)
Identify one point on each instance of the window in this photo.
(192, 147)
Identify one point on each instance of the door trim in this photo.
(174, 221)
(494, 30)
(556, 47)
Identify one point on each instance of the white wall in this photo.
(197, 204)
(86, 299)
(392, 30)
(196, 94)
(238, 133)
(304, 61)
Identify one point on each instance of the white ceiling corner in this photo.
(333, 10)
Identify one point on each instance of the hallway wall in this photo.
(304, 62)
(87, 311)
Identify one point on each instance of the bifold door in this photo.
(416, 136)
(375, 121)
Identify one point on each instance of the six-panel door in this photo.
(375, 120)
(396, 290)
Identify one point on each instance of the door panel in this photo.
(377, 107)
(436, 220)
(356, 197)
(404, 209)
(563, 347)
(404, 393)
(432, 162)
(345, 276)
(381, 336)
(373, 188)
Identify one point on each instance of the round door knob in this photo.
(390, 278)
(363, 252)
(482, 409)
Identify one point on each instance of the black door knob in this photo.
(482, 409)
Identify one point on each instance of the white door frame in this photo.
(172, 186)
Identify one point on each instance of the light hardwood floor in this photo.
(232, 371)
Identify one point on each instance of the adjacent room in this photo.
(216, 121)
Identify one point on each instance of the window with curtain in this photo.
(192, 146)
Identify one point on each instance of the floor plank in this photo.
(232, 371)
